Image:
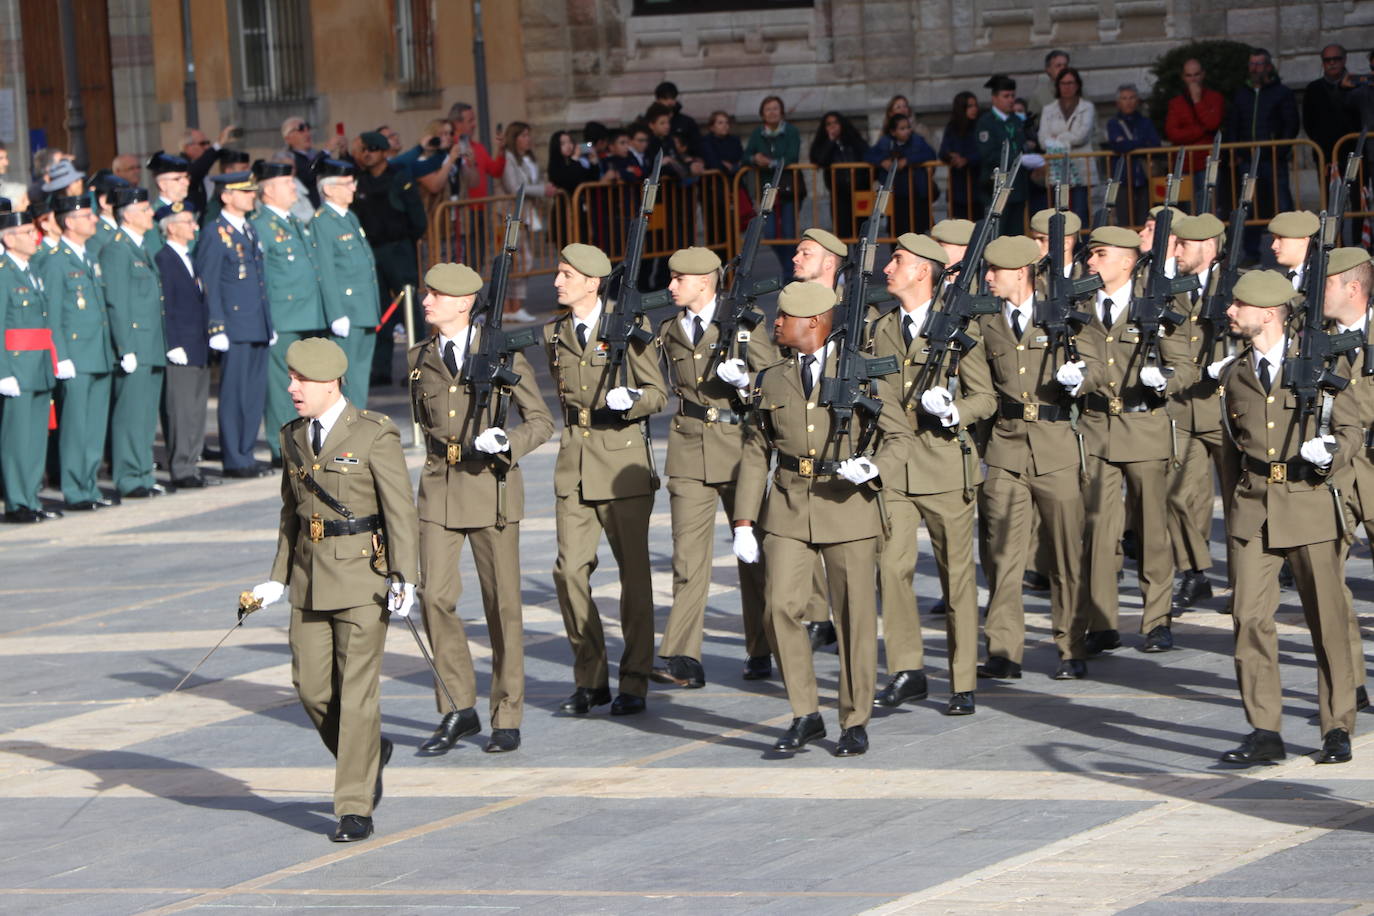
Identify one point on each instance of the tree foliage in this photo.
(1224, 63)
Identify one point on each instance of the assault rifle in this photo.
(1102, 216)
(1151, 308)
(1309, 374)
(1209, 188)
(621, 323)
(1213, 311)
(1056, 313)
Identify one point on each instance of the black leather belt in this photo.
(926, 422)
(595, 418)
(1299, 469)
(456, 452)
(707, 414)
(337, 527)
(1008, 409)
(1118, 406)
(808, 467)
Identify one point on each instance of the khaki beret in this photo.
(1157, 208)
(1012, 252)
(1265, 289)
(453, 280)
(806, 300)
(923, 246)
(317, 358)
(1343, 259)
(1114, 237)
(827, 241)
(953, 231)
(1198, 228)
(1040, 222)
(1295, 224)
(587, 260)
(694, 261)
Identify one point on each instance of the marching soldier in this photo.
(347, 272)
(604, 480)
(1284, 508)
(1034, 459)
(28, 364)
(471, 489)
(293, 286)
(81, 326)
(134, 296)
(953, 235)
(704, 443)
(347, 520)
(936, 483)
(822, 502)
(1292, 232)
(229, 262)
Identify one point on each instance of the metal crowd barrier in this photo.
(470, 231)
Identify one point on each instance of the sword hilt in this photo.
(248, 604)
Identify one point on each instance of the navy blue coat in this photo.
(229, 265)
(184, 313)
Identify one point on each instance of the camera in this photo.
(434, 143)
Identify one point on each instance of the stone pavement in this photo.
(1093, 796)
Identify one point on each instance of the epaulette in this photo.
(380, 419)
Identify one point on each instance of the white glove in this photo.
(938, 402)
(746, 546)
(219, 342)
(129, 363)
(9, 386)
(492, 440)
(66, 369)
(400, 599)
(1150, 375)
(1070, 375)
(1032, 160)
(269, 592)
(622, 398)
(1214, 369)
(858, 470)
(272, 341)
(733, 372)
(177, 356)
(340, 326)
(1319, 450)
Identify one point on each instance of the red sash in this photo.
(35, 339)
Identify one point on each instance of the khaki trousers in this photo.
(1147, 495)
(625, 522)
(496, 554)
(1201, 454)
(336, 664)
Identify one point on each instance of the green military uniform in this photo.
(81, 328)
(133, 293)
(337, 594)
(27, 356)
(104, 231)
(348, 282)
(991, 130)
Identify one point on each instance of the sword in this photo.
(247, 605)
(395, 578)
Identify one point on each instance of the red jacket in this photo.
(1187, 124)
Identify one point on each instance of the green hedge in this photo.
(1224, 62)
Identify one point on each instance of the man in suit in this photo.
(471, 490)
(604, 480)
(1286, 507)
(81, 328)
(186, 395)
(823, 500)
(134, 295)
(293, 286)
(347, 520)
(28, 365)
(228, 260)
(348, 274)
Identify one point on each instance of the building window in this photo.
(682, 7)
(274, 55)
(414, 28)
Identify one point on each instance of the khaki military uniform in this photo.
(468, 495)
(808, 510)
(338, 606)
(604, 481)
(937, 485)
(1356, 482)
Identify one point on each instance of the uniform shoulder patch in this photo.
(983, 136)
(380, 419)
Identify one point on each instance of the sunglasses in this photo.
(300, 127)
(1333, 60)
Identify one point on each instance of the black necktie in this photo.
(1291, 274)
(807, 381)
(1264, 377)
(907, 334)
(582, 336)
(1107, 313)
(451, 359)
(697, 330)
(1016, 324)
(316, 436)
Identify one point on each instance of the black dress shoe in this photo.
(105, 503)
(1259, 746)
(584, 698)
(904, 686)
(1070, 669)
(352, 827)
(502, 740)
(50, 514)
(1160, 639)
(1192, 589)
(758, 668)
(1100, 641)
(822, 634)
(939, 607)
(681, 671)
(803, 729)
(244, 473)
(85, 505)
(195, 482)
(960, 704)
(627, 705)
(1034, 581)
(383, 758)
(1361, 699)
(1335, 747)
(139, 493)
(1002, 669)
(23, 516)
(853, 742)
(460, 723)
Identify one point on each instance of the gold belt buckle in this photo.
(1278, 471)
(453, 453)
(1115, 406)
(1030, 412)
(316, 528)
(712, 414)
(584, 416)
(806, 467)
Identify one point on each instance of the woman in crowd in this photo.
(777, 141)
(902, 149)
(522, 171)
(837, 141)
(1067, 126)
(723, 152)
(569, 167)
(959, 150)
